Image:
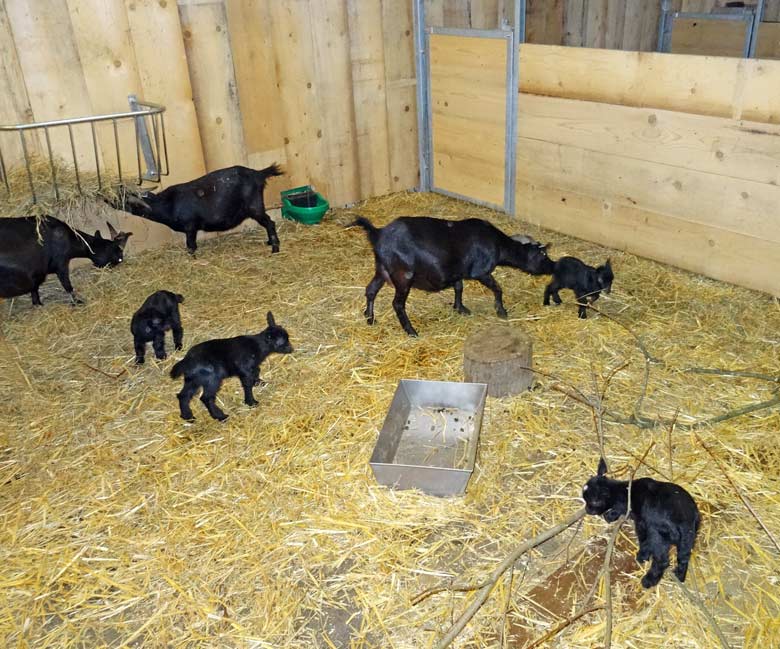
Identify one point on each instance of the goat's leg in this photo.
(177, 331)
(209, 399)
(492, 284)
(158, 344)
(403, 284)
(140, 350)
(582, 309)
(641, 535)
(684, 548)
(248, 381)
(659, 548)
(192, 241)
(36, 297)
(551, 290)
(458, 306)
(376, 283)
(185, 396)
(270, 227)
(63, 274)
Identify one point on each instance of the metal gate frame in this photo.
(514, 37)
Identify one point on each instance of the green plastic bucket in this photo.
(304, 205)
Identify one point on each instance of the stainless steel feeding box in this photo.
(430, 435)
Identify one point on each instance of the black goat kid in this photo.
(209, 363)
(664, 515)
(216, 202)
(159, 313)
(435, 254)
(586, 281)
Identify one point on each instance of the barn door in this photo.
(469, 112)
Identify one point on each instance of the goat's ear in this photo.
(608, 264)
(602, 468)
(111, 231)
(546, 246)
(121, 239)
(270, 318)
(98, 235)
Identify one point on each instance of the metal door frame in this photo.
(513, 37)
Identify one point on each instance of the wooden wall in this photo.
(672, 157)
(326, 88)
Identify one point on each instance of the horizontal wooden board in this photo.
(709, 37)
(468, 95)
(703, 85)
(721, 254)
(719, 201)
(768, 43)
(716, 145)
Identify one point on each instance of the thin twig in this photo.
(738, 492)
(485, 590)
(110, 376)
(567, 622)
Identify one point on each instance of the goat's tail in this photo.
(179, 298)
(371, 230)
(178, 369)
(262, 175)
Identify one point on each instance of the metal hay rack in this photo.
(151, 148)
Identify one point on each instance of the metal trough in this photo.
(430, 436)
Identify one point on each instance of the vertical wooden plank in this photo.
(401, 94)
(535, 23)
(162, 66)
(457, 13)
(484, 14)
(633, 23)
(210, 63)
(52, 70)
(616, 13)
(506, 13)
(772, 11)
(596, 24)
(102, 36)
(14, 102)
(369, 94)
(297, 92)
(434, 13)
(249, 25)
(648, 39)
(574, 22)
(333, 73)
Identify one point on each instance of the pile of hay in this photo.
(124, 525)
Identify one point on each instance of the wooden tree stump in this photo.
(496, 356)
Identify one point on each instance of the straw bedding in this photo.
(122, 525)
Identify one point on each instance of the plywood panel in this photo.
(369, 95)
(728, 256)
(334, 79)
(401, 93)
(710, 37)
(758, 97)
(716, 145)
(102, 36)
(52, 71)
(768, 43)
(14, 102)
(210, 62)
(249, 24)
(155, 28)
(468, 82)
(294, 50)
(717, 201)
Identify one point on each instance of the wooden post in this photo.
(497, 356)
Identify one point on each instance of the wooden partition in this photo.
(326, 88)
(468, 115)
(672, 157)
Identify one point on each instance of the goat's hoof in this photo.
(187, 417)
(370, 319)
(680, 574)
(649, 582)
(642, 556)
(463, 310)
(139, 361)
(252, 404)
(161, 357)
(502, 313)
(412, 333)
(178, 348)
(274, 248)
(222, 419)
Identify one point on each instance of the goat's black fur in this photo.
(209, 363)
(586, 281)
(435, 254)
(159, 313)
(664, 514)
